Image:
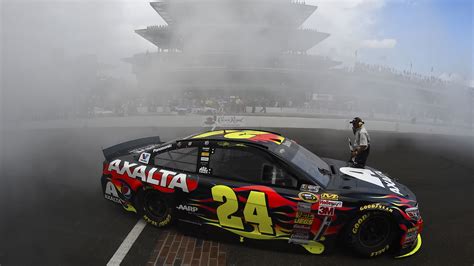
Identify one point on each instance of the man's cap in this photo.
(356, 120)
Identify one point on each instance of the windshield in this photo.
(305, 160)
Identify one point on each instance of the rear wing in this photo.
(125, 147)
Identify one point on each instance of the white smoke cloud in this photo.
(379, 44)
(349, 22)
(456, 78)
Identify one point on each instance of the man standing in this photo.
(361, 148)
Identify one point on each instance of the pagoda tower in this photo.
(233, 46)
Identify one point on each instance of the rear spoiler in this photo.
(125, 147)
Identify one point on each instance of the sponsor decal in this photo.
(114, 199)
(126, 191)
(302, 227)
(389, 183)
(304, 206)
(308, 197)
(204, 170)
(329, 196)
(355, 229)
(413, 213)
(205, 159)
(304, 218)
(310, 188)
(326, 211)
(376, 253)
(369, 176)
(362, 174)
(204, 153)
(144, 157)
(205, 148)
(330, 203)
(376, 206)
(187, 208)
(143, 149)
(111, 192)
(166, 179)
(299, 235)
(162, 148)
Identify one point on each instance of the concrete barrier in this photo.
(250, 122)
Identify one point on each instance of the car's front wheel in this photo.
(371, 234)
(156, 208)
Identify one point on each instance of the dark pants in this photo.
(361, 158)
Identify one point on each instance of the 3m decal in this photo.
(144, 157)
(329, 196)
(187, 208)
(308, 197)
(255, 210)
(326, 211)
(163, 178)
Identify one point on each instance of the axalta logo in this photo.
(165, 178)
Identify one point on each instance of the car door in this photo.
(247, 192)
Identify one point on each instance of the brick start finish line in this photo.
(173, 248)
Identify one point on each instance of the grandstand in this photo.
(256, 50)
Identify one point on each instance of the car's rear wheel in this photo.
(371, 234)
(156, 208)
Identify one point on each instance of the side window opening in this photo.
(184, 159)
(246, 165)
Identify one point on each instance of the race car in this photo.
(258, 184)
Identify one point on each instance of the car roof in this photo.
(251, 136)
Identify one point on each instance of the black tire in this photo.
(156, 208)
(371, 234)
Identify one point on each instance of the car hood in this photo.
(367, 180)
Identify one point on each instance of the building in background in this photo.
(256, 51)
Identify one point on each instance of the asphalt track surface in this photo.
(53, 213)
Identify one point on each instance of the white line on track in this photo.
(127, 244)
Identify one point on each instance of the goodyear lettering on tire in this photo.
(376, 206)
(376, 253)
(356, 226)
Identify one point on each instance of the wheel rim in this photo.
(375, 231)
(155, 205)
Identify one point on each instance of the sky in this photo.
(432, 37)
(426, 35)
